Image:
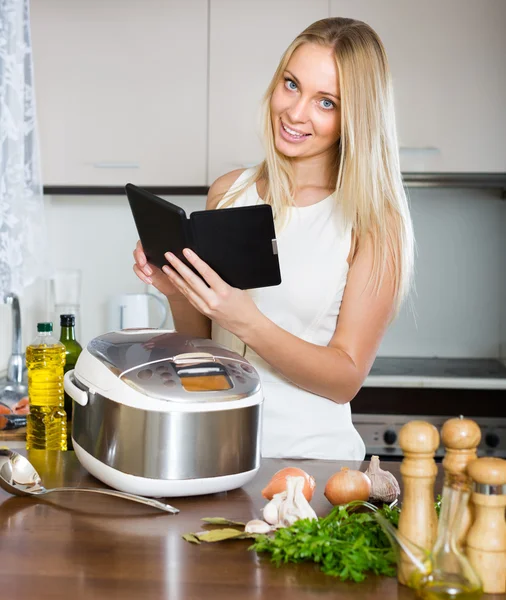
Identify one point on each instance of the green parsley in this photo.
(345, 544)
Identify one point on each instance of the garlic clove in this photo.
(271, 509)
(257, 526)
(301, 504)
(384, 485)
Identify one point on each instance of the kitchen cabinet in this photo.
(247, 39)
(447, 61)
(121, 91)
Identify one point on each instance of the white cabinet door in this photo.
(448, 63)
(247, 39)
(121, 91)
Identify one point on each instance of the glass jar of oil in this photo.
(47, 421)
(452, 576)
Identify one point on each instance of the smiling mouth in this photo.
(294, 133)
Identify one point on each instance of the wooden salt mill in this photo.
(419, 441)
(460, 438)
(486, 540)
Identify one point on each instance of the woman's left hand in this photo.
(230, 307)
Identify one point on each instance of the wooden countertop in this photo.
(87, 546)
(13, 435)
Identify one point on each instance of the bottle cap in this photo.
(67, 320)
(44, 327)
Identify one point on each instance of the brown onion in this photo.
(347, 485)
(277, 483)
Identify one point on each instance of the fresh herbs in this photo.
(345, 544)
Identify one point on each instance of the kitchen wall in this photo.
(456, 310)
(458, 307)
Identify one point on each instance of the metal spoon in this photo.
(18, 477)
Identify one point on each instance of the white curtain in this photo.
(23, 240)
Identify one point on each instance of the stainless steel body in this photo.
(165, 407)
(399, 390)
(169, 445)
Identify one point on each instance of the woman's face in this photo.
(305, 105)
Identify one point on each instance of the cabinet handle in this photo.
(115, 165)
(246, 165)
(419, 149)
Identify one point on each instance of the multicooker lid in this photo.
(170, 366)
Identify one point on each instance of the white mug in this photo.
(127, 311)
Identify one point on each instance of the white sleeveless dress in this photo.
(313, 247)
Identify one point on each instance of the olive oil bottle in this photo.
(72, 351)
(450, 591)
(47, 421)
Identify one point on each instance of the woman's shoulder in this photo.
(221, 186)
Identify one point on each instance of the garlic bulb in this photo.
(294, 506)
(384, 486)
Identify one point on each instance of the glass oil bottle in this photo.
(47, 421)
(72, 351)
(452, 576)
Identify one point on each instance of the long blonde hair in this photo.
(368, 179)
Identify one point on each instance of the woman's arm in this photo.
(187, 319)
(336, 371)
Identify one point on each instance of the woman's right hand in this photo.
(152, 275)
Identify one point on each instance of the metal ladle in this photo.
(18, 477)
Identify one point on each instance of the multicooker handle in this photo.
(79, 395)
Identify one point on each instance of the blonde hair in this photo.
(368, 179)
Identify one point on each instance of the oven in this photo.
(399, 390)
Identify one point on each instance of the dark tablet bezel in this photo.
(149, 211)
(257, 265)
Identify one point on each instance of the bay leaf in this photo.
(190, 537)
(219, 535)
(222, 521)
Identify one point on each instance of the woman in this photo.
(332, 177)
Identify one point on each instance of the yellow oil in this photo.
(47, 421)
(448, 591)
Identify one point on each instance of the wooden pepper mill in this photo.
(486, 540)
(460, 438)
(419, 441)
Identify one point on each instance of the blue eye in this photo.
(290, 85)
(327, 104)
